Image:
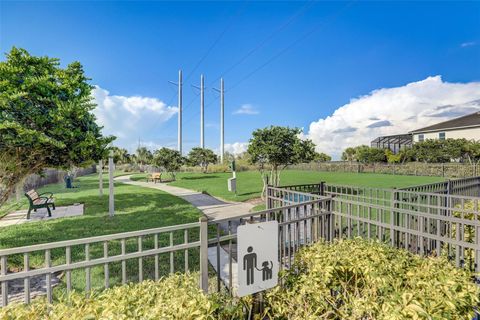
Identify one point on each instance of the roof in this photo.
(470, 120)
(405, 136)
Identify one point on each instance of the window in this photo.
(441, 136)
(421, 138)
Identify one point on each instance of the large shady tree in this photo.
(274, 148)
(46, 118)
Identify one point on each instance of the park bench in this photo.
(38, 201)
(157, 176)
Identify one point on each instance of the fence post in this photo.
(204, 254)
(268, 204)
(393, 221)
(322, 188)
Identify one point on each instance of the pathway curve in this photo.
(212, 207)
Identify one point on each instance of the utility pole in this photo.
(202, 108)
(179, 84)
(180, 111)
(222, 127)
(222, 123)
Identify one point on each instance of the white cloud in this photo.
(130, 118)
(468, 44)
(236, 148)
(246, 109)
(393, 111)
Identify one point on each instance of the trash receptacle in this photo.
(68, 181)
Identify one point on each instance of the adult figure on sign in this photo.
(250, 264)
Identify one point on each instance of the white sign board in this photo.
(257, 257)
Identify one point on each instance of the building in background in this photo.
(467, 127)
(395, 143)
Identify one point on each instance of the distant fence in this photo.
(49, 176)
(452, 170)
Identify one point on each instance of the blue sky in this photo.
(287, 63)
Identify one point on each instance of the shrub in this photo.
(174, 297)
(358, 279)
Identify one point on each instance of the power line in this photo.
(294, 43)
(217, 40)
(209, 50)
(289, 21)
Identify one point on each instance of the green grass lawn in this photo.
(249, 183)
(136, 208)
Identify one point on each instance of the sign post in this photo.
(257, 257)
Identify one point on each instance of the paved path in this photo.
(20, 216)
(212, 207)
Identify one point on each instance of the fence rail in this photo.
(451, 170)
(97, 252)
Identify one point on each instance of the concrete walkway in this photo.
(19, 217)
(212, 207)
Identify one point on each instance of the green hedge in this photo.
(174, 297)
(358, 279)
(349, 279)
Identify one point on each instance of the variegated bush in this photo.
(174, 297)
(359, 279)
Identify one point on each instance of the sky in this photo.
(345, 72)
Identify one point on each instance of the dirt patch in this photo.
(255, 201)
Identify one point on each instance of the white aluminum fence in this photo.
(301, 221)
(423, 223)
(165, 250)
(134, 256)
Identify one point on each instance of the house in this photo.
(467, 127)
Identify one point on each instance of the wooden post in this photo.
(204, 254)
(111, 199)
(100, 178)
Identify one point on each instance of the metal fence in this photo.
(452, 170)
(302, 219)
(465, 187)
(149, 254)
(423, 223)
(145, 254)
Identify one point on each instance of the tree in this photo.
(321, 157)
(431, 151)
(277, 147)
(349, 154)
(144, 156)
(392, 157)
(201, 157)
(120, 155)
(366, 154)
(170, 160)
(45, 118)
(471, 151)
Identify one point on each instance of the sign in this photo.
(257, 257)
